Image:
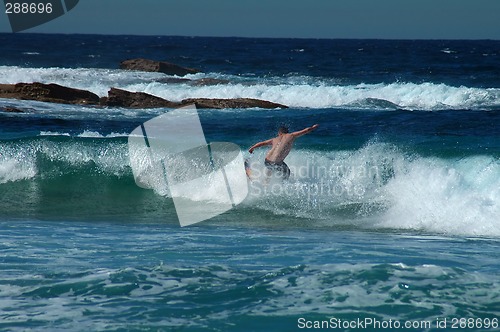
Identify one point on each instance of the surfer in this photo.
(281, 146)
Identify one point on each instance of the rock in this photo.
(231, 103)
(209, 81)
(121, 98)
(173, 80)
(52, 93)
(7, 89)
(199, 82)
(11, 110)
(156, 66)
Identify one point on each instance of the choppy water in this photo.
(392, 210)
(101, 276)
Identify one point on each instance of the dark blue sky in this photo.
(404, 19)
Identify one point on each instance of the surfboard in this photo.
(248, 169)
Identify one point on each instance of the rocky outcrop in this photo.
(121, 98)
(173, 80)
(156, 66)
(232, 103)
(9, 109)
(198, 82)
(209, 81)
(52, 93)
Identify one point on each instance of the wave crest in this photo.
(379, 186)
(375, 187)
(297, 92)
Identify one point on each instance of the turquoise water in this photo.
(113, 276)
(392, 212)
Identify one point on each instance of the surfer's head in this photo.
(283, 129)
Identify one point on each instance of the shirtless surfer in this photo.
(281, 146)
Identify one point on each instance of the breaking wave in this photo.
(297, 92)
(375, 187)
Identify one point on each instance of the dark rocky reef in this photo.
(122, 98)
(198, 82)
(232, 103)
(9, 109)
(54, 93)
(156, 66)
(51, 93)
(209, 81)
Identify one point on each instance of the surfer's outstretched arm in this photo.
(258, 145)
(305, 131)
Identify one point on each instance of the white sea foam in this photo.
(296, 92)
(12, 169)
(85, 134)
(95, 80)
(200, 182)
(425, 96)
(379, 186)
(95, 134)
(432, 195)
(53, 133)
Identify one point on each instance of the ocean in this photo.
(390, 219)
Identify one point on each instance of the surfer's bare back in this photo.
(281, 146)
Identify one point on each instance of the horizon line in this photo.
(251, 37)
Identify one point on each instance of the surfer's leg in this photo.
(285, 171)
(248, 170)
(269, 170)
